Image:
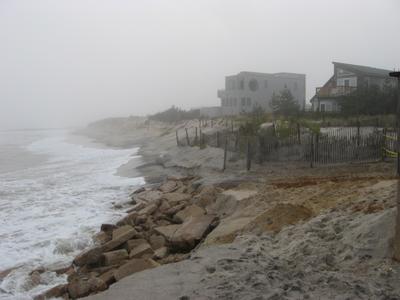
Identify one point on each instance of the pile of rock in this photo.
(163, 226)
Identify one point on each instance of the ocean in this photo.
(56, 189)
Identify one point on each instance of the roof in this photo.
(281, 74)
(363, 69)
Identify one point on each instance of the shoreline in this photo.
(267, 213)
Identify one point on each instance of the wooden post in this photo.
(187, 137)
(384, 144)
(237, 140)
(248, 155)
(196, 138)
(200, 137)
(217, 139)
(298, 134)
(225, 153)
(177, 138)
(312, 150)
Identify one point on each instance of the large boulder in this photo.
(148, 210)
(169, 186)
(227, 230)
(114, 257)
(128, 219)
(133, 266)
(108, 277)
(190, 211)
(141, 251)
(54, 292)
(149, 196)
(89, 256)
(79, 287)
(192, 231)
(176, 198)
(129, 245)
(167, 231)
(120, 236)
(156, 241)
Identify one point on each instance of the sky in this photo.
(65, 63)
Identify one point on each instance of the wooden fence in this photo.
(329, 146)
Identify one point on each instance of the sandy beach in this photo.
(284, 231)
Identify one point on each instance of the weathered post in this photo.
(217, 139)
(312, 150)
(200, 138)
(187, 137)
(298, 133)
(225, 153)
(248, 155)
(384, 144)
(196, 138)
(177, 138)
(396, 244)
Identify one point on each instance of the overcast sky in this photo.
(69, 62)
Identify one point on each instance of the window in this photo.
(265, 83)
(248, 102)
(241, 84)
(285, 86)
(322, 107)
(243, 101)
(346, 82)
(253, 85)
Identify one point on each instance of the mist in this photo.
(66, 63)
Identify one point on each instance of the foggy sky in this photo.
(69, 62)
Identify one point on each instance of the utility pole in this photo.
(396, 252)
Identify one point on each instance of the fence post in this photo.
(225, 153)
(237, 141)
(312, 150)
(200, 138)
(384, 145)
(248, 155)
(177, 138)
(217, 139)
(298, 133)
(196, 138)
(187, 137)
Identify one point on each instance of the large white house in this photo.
(247, 90)
(346, 79)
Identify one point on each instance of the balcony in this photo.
(335, 91)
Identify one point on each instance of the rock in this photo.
(190, 211)
(148, 210)
(206, 197)
(134, 243)
(227, 230)
(141, 251)
(161, 253)
(176, 198)
(108, 277)
(5, 273)
(35, 278)
(137, 191)
(108, 227)
(137, 207)
(149, 196)
(120, 236)
(167, 231)
(90, 256)
(164, 206)
(128, 219)
(54, 292)
(114, 257)
(97, 284)
(78, 287)
(156, 241)
(191, 232)
(141, 219)
(173, 210)
(102, 237)
(168, 187)
(133, 266)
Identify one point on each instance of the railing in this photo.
(335, 91)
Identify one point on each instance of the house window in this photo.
(346, 82)
(322, 107)
(243, 101)
(248, 102)
(241, 84)
(265, 83)
(253, 85)
(285, 86)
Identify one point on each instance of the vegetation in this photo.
(284, 103)
(370, 101)
(175, 114)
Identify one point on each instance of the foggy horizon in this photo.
(68, 63)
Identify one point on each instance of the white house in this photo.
(347, 78)
(247, 90)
